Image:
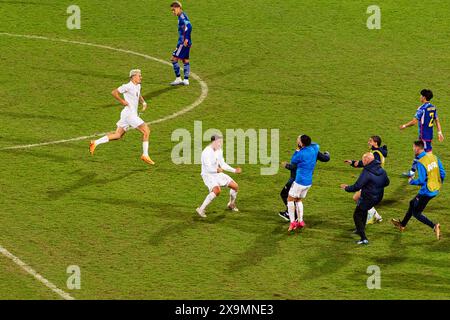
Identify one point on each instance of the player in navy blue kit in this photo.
(426, 117)
(184, 44)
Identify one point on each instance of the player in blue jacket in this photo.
(305, 160)
(184, 44)
(426, 117)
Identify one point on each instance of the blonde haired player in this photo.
(213, 166)
(129, 117)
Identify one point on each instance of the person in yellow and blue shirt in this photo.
(431, 175)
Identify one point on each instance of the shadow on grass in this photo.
(265, 245)
(35, 3)
(52, 156)
(87, 179)
(30, 116)
(148, 95)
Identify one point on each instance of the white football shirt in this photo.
(131, 93)
(212, 160)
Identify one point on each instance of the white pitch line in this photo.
(36, 275)
(203, 95)
(203, 85)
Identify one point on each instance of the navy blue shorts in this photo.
(428, 146)
(181, 52)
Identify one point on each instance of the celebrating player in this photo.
(305, 160)
(380, 153)
(431, 176)
(184, 44)
(426, 116)
(322, 157)
(129, 117)
(213, 166)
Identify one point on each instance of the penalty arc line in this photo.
(196, 103)
(36, 275)
(203, 95)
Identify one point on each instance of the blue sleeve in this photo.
(441, 170)
(421, 180)
(188, 30)
(419, 114)
(296, 158)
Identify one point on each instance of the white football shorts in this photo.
(216, 180)
(129, 119)
(298, 191)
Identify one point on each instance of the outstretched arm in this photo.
(362, 180)
(413, 122)
(225, 166)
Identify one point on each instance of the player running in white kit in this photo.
(129, 117)
(213, 166)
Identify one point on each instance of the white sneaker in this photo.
(177, 82)
(201, 213)
(186, 82)
(232, 207)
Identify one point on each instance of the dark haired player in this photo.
(184, 44)
(305, 160)
(322, 157)
(426, 116)
(430, 179)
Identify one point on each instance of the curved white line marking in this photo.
(203, 85)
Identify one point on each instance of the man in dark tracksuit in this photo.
(371, 182)
(322, 157)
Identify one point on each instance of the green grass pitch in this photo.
(299, 66)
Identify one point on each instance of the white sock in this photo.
(233, 195)
(145, 148)
(375, 213)
(291, 210)
(104, 139)
(209, 198)
(300, 211)
(372, 211)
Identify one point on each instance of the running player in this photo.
(184, 44)
(129, 117)
(430, 178)
(213, 166)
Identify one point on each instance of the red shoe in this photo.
(300, 225)
(292, 226)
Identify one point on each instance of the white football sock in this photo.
(299, 209)
(291, 210)
(372, 211)
(376, 214)
(104, 139)
(209, 198)
(233, 195)
(145, 148)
